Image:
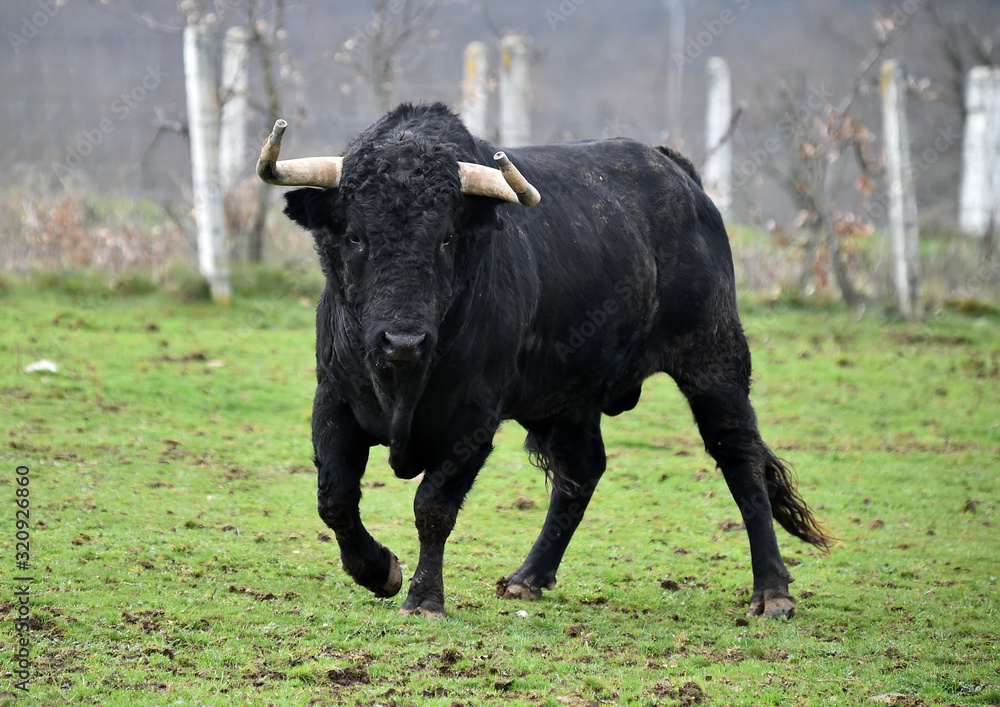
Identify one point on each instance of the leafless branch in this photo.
(484, 12)
(727, 136)
(143, 19)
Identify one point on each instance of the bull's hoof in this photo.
(771, 603)
(510, 588)
(432, 609)
(395, 580)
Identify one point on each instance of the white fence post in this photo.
(475, 89)
(718, 170)
(979, 198)
(232, 136)
(902, 201)
(203, 125)
(515, 124)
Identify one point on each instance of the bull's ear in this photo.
(313, 209)
(480, 212)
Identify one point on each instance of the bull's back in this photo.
(615, 218)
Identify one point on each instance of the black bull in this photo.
(445, 313)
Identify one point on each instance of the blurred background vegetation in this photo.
(97, 161)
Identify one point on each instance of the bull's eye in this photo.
(354, 239)
(446, 241)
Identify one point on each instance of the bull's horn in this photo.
(505, 183)
(305, 172)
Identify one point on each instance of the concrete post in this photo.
(902, 201)
(979, 197)
(475, 89)
(515, 123)
(203, 125)
(718, 171)
(233, 160)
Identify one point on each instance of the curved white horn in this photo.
(505, 183)
(305, 172)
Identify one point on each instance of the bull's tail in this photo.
(787, 505)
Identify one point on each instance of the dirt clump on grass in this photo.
(349, 676)
(147, 620)
(688, 694)
(898, 699)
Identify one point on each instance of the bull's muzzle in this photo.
(403, 348)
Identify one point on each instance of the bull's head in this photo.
(395, 237)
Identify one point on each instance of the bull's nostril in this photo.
(402, 347)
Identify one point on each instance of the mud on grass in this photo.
(177, 555)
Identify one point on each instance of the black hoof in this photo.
(771, 603)
(395, 580)
(431, 608)
(512, 588)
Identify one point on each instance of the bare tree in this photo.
(264, 20)
(265, 36)
(821, 132)
(965, 40)
(814, 172)
(377, 49)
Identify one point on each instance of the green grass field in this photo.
(176, 556)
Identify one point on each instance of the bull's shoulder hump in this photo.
(602, 148)
(616, 155)
(681, 161)
(605, 151)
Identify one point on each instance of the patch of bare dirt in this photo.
(909, 338)
(259, 594)
(673, 585)
(898, 699)
(186, 358)
(146, 619)
(235, 472)
(688, 694)
(260, 676)
(349, 676)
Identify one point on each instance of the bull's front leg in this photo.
(341, 454)
(435, 508)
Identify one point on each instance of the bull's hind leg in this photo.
(714, 374)
(572, 455)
